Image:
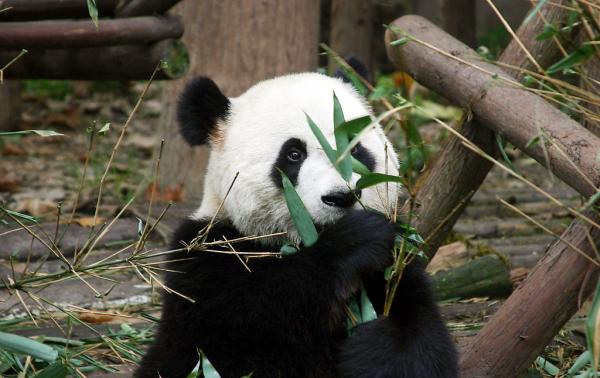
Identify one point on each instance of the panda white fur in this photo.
(286, 317)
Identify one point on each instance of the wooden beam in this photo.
(26, 10)
(61, 34)
(135, 62)
(136, 8)
(498, 102)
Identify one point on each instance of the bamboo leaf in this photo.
(300, 216)
(534, 11)
(208, 370)
(376, 178)
(23, 345)
(549, 367)
(341, 139)
(356, 125)
(359, 167)
(578, 56)
(19, 215)
(592, 329)
(367, 311)
(42, 133)
(329, 151)
(93, 11)
(581, 361)
(56, 370)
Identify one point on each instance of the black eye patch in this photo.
(291, 156)
(363, 155)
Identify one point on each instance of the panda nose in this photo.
(341, 199)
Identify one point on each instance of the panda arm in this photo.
(412, 342)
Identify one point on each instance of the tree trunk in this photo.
(444, 190)
(460, 20)
(10, 111)
(352, 31)
(237, 44)
(591, 83)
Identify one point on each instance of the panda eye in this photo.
(354, 150)
(294, 155)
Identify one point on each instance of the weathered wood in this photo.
(513, 111)
(135, 62)
(10, 98)
(445, 188)
(459, 19)
(352, 30)
(260, 40)
(136, 8)
(57, 34)
(25, 10)
(536, 311)
(487, 276)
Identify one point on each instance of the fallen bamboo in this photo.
(136, 8)
(496, 100)
(57, 34)
(25, 10)
(135, 62)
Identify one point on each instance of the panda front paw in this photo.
(362, 241)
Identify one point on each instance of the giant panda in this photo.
(285, 316)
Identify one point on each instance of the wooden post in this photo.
(537, 310)
(258, 40)
(352, 30)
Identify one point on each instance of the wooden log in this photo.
(136, 8)
(536, 311)
(135, 62)
(444, 190)
(25, 10)
(10, 98)
(56, 34)
(487, 276)
(516, 113)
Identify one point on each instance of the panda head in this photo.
(265, 129)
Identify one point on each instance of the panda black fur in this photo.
(286, 317)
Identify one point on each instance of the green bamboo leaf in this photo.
(23, 345)
(549, 367)
(329, 151)
(341, 139)
(534, 11)
(583, 53)
(581, 361)
(501, 146)
(208, 370)
(56, 370)
(359, 167)
(104, 129)
(300, 216)
(348, 71)
(376, 178)
(356, 125)
(42, 133)
(367, 311)
(592, 329)
(399, 41)
(19, 215)
(548, 32)
(93, 11)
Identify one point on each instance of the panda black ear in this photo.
(201, 105)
